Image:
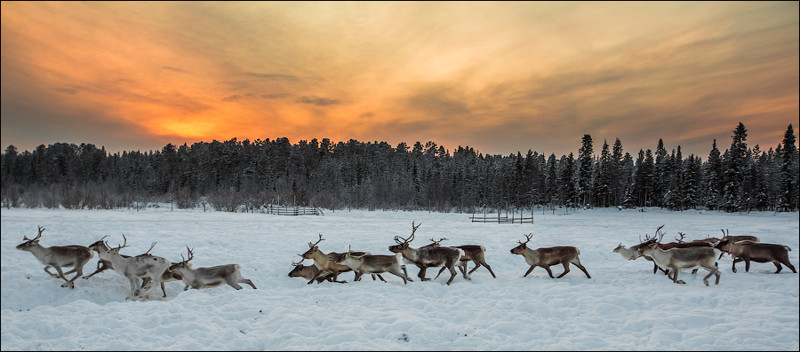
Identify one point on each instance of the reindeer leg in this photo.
(547, 267)
(421, 274)
(578, 264)
(711, 271)
(529, 271)
(785, 261)
(49, 272)
(747, 264)
(735, 260)
(675, 277)
(777, 265)
(490, 270)
(440, 272)
(477, 265)
(463, 268)
(566, 270)
(247, 281)
(453, 274)
(163, 290)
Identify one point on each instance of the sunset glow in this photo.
(499, 77)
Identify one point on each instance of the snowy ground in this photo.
(623, 307)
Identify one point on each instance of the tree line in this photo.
(234, 175)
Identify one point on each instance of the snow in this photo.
(624, 306)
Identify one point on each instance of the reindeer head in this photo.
(522, 245)
(112, 252)
(403, 243)
(298, 268)
(30, 243)
(312, 248)
(619, 247)
(99, 245)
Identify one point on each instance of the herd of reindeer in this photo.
(146, 271)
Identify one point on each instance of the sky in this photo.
(498, 77)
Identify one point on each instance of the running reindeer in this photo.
(676, 259)
(426, 257)
(104, 263)
(58, 256)
(210, 276)
(139, 267)
(373, 264)
(474, 253)
(545, 257)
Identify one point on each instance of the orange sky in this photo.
(499, 77)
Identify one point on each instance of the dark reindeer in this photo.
(747, 251)
(724, 243)
(58, 256)
(474, 253)
(545, 257)
(308, 272)
(427, 257)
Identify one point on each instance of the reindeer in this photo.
(545, 257)
(210, 276)
(426, 257)
(373, 264)
(104, 263)
(760, 253)
(308, 271)
(326, 266)
(474, 253)
(58, 256)
(676, 259)
(141, 266)
(724, 243)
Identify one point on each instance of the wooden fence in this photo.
(502, 219)
(293, 211)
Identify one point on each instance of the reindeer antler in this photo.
(724, 233)
(528, 236)
(41, 229)
(124, 244)
(436, 243)
(659, 234)
(413, 230)
(151, 248)
(680, 240)
(316, 243)
(190, 254)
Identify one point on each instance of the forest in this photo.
(245, 175)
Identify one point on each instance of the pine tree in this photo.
(734, 176)
(788, 193)
(585, 170)
(713, 178)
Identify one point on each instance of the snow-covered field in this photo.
(624, 306)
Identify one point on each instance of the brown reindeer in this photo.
(374, 264)
(322, 263)
(474, 253)
(724, 243)
(760, 253)
(545, 257)
(58, 256)
(426, 257)
(308, 272)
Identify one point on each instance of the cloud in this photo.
(314, 100)
(275, 96)
(273, 76)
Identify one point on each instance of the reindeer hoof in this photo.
(680, 282)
